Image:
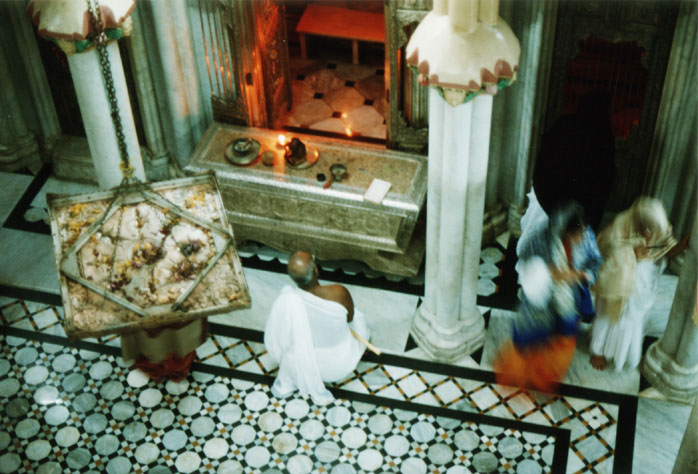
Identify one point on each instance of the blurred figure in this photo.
(633, 247)
(558, 265)
(309, 332)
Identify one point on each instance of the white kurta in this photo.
(311, 340)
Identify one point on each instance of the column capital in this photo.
(68, 23)
(464, 49)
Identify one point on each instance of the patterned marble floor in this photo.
(76, 406)
(338, 98)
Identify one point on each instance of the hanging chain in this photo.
(100, 40)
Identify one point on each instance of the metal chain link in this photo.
(100, 40)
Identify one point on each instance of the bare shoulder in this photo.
(336, 293)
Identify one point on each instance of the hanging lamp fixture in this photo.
(141, 255)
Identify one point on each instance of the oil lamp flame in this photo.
(349, 133)
(282, 139)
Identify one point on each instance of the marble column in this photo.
(687, 458)
(159, 157)
(96, 114)
(17, 143)
(672, 172)
(671, 364)
(448, 324)
(36, 75)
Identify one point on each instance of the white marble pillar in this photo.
(34, 68)
(687, 458)
(448, 324)
(671, 364)
(16, 141)
(96, 114)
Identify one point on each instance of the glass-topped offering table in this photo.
(292, 204)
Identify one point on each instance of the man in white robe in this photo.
(309, 333)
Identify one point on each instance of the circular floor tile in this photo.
(380, 424)
(312, 429)
(361, 407)
(44, 395)
(466, 440)
(490, 430)
(4, 440)
(370, 460)
(119, 465)
(150, 397)
(4, 366)
(296, 409)
(534, 438)
(177, 388)
(299, 464)
(50, 468)
(73, 383)
(134, 431)
(413, 466)
(217, 392)
(88, 355)
(78, 458)
(528, 466)
(67, 436)
(257, 456)
(136, 378)
(447, 423)
(405, 415)
(230, 467)
(243, 435)
(256, 401)
(440, 454)
(100, 370)
(147, 453)
(284, 443)
(38, 450)
(202, 426)
(216, 448)
(56, 415)
(327, 451)
(162, 418)
(95, 423)
(84, 402)
(17, 407)
(485, 462)
(422, 432)
(111, 390)
(457, 470)
(270, 421)
(8, 387)
(353, 437)
(188, 461)
(9, 462)
(547, 454)
(63, 363)
(189, 406)
(510, 447)
(36, 375)
(160, 470)
(27, 428)
(229, 413)
(106, 444)
(343, 469)
(26, 355)
(396, 446)
(51, 348)
(122, 410)
(338, 416)
(174, 440)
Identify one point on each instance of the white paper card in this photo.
(377, 190)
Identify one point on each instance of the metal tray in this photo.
(145, 255)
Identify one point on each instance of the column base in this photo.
(514, 215)
(448, 344)
(677, 383)
(22, 153)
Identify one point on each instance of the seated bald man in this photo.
(309, 333)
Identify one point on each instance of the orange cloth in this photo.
(173, 367)
(540, 366)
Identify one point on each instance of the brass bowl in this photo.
(338, 171)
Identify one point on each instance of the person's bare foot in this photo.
(598, 362)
